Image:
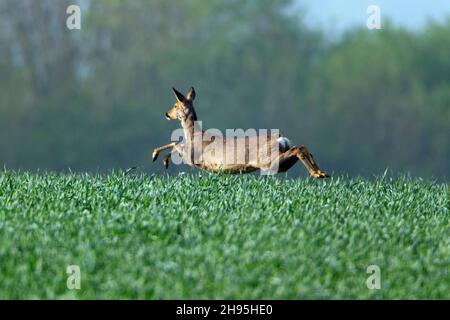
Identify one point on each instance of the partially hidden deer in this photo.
(268, 153)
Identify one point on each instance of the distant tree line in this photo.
(94, 99)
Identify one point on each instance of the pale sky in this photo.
(338, 15)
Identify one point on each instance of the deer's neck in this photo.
(191, 126)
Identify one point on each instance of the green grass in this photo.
(215, 236)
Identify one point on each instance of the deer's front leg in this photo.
(179, 148)
(158, 150)
(166, 160)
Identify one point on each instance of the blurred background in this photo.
(94, 99)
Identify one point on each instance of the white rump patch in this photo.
(284, 142)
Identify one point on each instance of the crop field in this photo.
(202, 236)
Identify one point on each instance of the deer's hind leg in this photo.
(287, 159)
(311, 160)
(285, 162)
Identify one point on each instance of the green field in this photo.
(215, 236)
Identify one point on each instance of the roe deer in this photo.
(272, 153)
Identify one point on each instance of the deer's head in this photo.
(183, 109)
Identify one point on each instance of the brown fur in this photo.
(256, 152)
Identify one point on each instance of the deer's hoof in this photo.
(166, 163)
(324, 174)
(320, 175)
(154, 156)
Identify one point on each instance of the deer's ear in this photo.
(179, 95)
(191, 94)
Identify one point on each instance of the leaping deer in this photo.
(272, 153)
